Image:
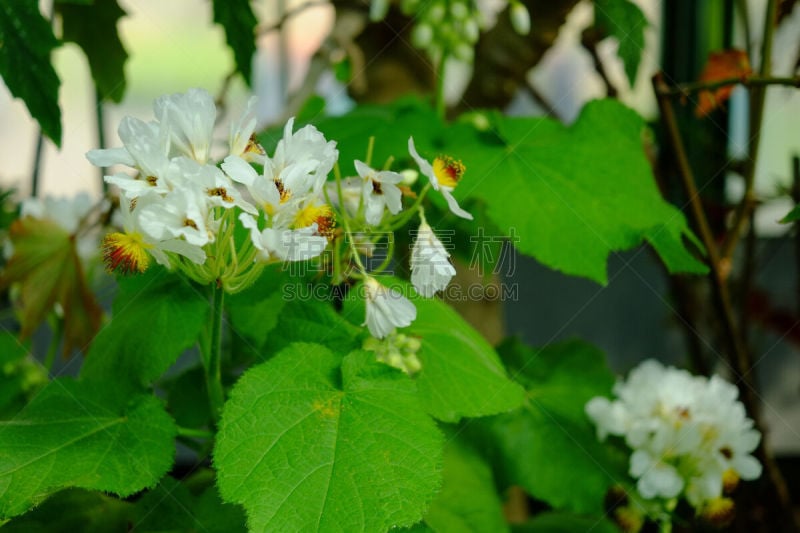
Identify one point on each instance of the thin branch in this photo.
(745, 208)
(741, 6)
(739, 357)
(101, 133)
(686, 89)
(37, 164)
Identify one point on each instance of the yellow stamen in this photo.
(321, 214)
(126, 253)
(448, 171)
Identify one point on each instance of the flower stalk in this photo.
(212, 360)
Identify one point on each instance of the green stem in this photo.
(194, 433)
(403, 217)
(212, 363)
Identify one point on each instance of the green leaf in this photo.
(82, 435)
(26, 42)
(239, 22)
(468, 501)
(391, 126)
(558, 522)
(307, 320)
(462, 375)
(187, 398)
(255, 312)
(156, 317)
(306, 445)
(623, 20)
(549, 446)
(573, 194)
(93, 27)
(793, 216)
(74, 510)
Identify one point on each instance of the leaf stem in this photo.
(194, 433)
(213, 361)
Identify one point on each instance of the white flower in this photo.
(181, 213)
(444, 175)
(189, 118)
(379, 189)
(217, 187)
(129, 251)
(306, 148)
(351, 194)
(387, 309)
(283, 243)
(241, 140)
(686, 432)
(431, 270)
(145, 148)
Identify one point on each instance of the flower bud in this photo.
(520, 18)
(422, 35)
(378, 10)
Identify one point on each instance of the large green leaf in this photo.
(239, 22)
(623, 20)
(83, 435)
(462, 375)
(26, 42)
(93, 27)
(468, 501)
(156, 317)
(573, 194)
(307, 446)
(549, 446)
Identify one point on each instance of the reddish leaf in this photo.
(720, 66)
(46, 265)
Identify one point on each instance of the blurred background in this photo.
(174, 46)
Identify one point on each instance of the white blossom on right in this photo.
(687, 433)
(387, 309)
(431, 270)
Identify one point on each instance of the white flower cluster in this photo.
(181, 206)
(689, 434)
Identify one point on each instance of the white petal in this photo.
(110, 156)
(424, 166)
(453, 205)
